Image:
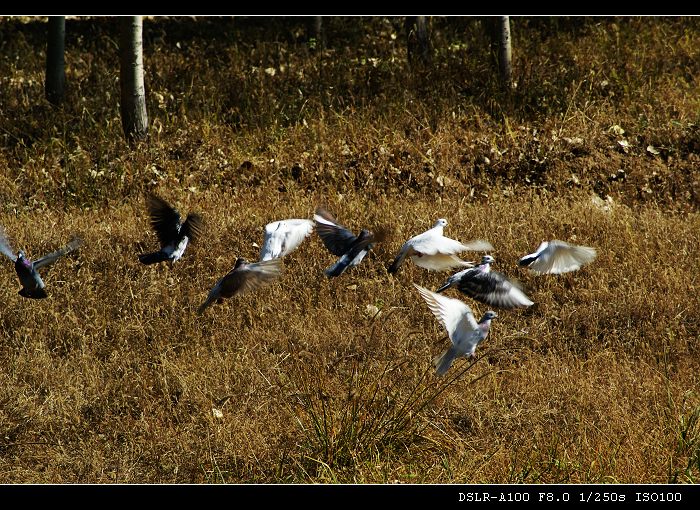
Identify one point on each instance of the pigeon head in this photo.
(487, 259)
(364, 234)
(489, 316)
(240, 261)
(442, 222)
(22, 259)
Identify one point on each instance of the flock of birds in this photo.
(430, 250)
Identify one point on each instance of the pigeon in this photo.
(283, 237)
(436, 252)
(558, 257)
(27, 271)
(244, 277)
(172, 235)
(464, 332)
(342, 243)
(490, 287)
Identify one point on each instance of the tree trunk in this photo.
(318, 31)
(55, 84)
(505, 64)
(417, 42)
(133, 91)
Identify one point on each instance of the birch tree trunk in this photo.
(505, 64)
(133, 91)
(55, 84)
(418, 42)
(318, 32)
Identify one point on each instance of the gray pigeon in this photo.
(27, 271)
(434, 251)
(464, 332)
(342, 243)
(244, 277)
(558, 257)
(490, 287)
(172, 235)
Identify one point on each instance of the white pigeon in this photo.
(464, 332)
(558, 257)
(436, 252)
(284, 236)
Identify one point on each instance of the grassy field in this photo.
(115, 378)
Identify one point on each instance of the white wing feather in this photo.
(284, 236)
(454, 314)
(560, 257)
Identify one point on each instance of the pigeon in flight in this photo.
(283, 237)
(342, 243)
(558, 257)
(436, 252)
(490, 287)
(27, 271)
(244, 277)
(458, 319)
(172, 235)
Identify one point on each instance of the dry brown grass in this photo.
(115, 378)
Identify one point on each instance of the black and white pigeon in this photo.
(342, 243)
(173, 235)
(458, 319)
(433, 251)
(244, 277)
(27, 271)
(487, 286)
(284, 236)
(556, 257)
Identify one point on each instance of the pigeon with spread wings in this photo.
(487, 286)
(342, 243)
(27, 271)
(284, 236)
(458, 319)
(173, 235)
(435, 252)
(558, 257)
(244, 277)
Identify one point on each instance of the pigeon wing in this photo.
(250, 277)
(5, 247)
(434, 244)
(284, 236)
(561, 257)
(359, 249)
(165, 219)
(455, 315)
(440, 262)
(337, 239)
(53, 257)
(493, 288)
(193, 227)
